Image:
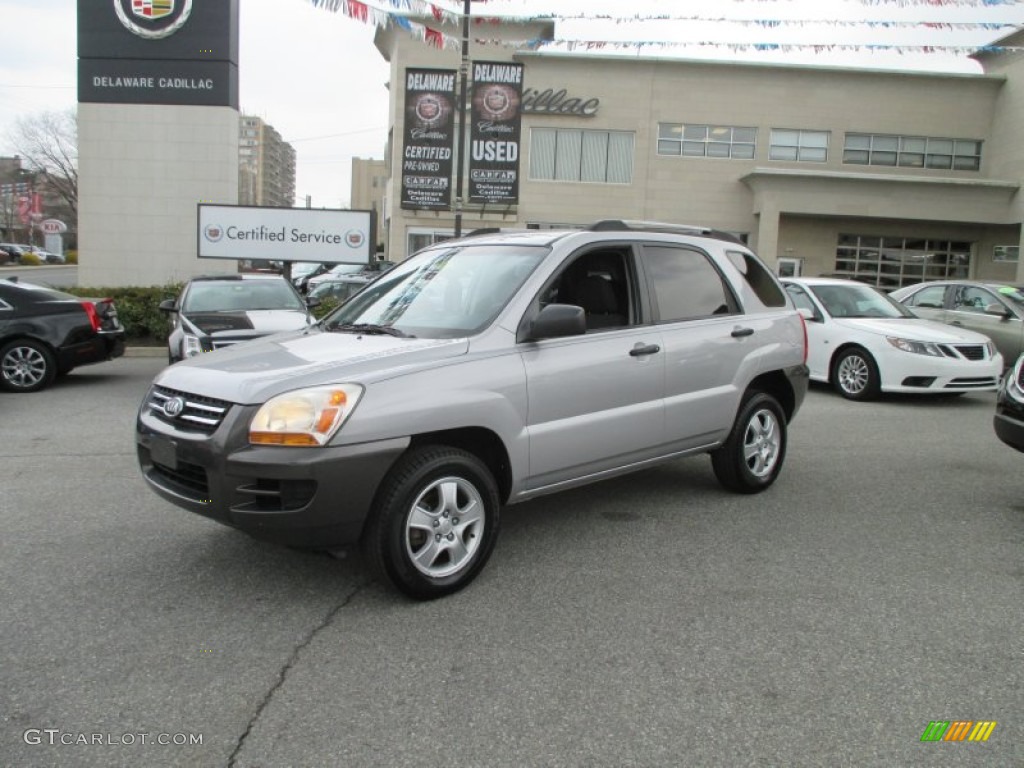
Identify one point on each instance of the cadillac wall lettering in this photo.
(552, 102)
(153, 19)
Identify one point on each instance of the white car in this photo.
(863, 343)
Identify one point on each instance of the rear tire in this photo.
(751, 458)
(26, 366)
(434, 522)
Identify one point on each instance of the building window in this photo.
(912, 152)
(417, 239)
(802, 146)
(1005, 253)
(706, 140)
(891, 262)
(558, 154)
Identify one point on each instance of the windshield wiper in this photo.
(371, 328)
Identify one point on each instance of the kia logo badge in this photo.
(173, 407)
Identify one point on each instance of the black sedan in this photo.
(45, 333)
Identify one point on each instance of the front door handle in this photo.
(641, 350)
(740, 332)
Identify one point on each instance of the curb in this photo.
(145, 352)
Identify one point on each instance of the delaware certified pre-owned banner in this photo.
(494, 136)
(429, 135)
(286, 234)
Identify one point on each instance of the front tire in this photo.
(855, 374)
(751, 458)
(434, 522)
(26, 366)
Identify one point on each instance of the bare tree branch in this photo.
(48, 145)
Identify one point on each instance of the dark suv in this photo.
(481, 372)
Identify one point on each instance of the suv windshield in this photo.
(442, 292)
(857, 300)
(240, 295)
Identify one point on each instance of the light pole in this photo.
(463, 91)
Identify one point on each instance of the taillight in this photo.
(803, 325)
(94, 317)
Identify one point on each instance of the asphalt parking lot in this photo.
(653, 620)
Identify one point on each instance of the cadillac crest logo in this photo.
(153, 19)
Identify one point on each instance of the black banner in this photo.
(429, 135)
(494, 135)
(128, 81)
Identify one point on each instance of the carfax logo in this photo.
(214, 232)
(153, 19)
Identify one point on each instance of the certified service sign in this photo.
(153, 19)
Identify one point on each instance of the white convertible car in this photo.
(863, 343)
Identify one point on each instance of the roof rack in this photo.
(630, 225)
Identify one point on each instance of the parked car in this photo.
(479, 372)
(1009, 419)
(342, 288)
(992, 308)
(336, 270)
(302, 271)
(13, 252)
(46, 333)
(863, 343)
(217, 311)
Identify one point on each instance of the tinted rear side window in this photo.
(761, 281)
(685, 284)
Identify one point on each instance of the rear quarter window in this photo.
(761, 281)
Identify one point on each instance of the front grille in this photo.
(187, 479)
(972, 351)
(198, 414)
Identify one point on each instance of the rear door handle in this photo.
(740, 332)
(644, 349)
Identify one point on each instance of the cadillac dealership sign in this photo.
(158, 52)
(153, 19)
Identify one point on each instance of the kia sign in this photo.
(285, 234)
(53, 227)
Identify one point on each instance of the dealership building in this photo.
(891, 177)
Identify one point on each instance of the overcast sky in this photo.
(317, 78)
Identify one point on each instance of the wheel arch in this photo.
(482, 443)
(776, 384)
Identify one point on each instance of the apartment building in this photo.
(266, 165)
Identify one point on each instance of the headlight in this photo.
(917, 347)
(191, 346)
(304, 417)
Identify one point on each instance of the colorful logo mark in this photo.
(958, 730)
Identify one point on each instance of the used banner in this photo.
(495, 132)
(429, 135)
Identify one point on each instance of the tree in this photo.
(48, 145)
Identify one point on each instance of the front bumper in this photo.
(910, 373)
(301, 497)
(1008, 422)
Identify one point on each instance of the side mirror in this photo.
(998, 310)
(808, 315)
(556, 321)
(168, 305)
(313, 301)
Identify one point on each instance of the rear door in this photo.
(705, 337)
(595, 401)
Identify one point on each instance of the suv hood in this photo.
(913, 328)
(251, 373)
